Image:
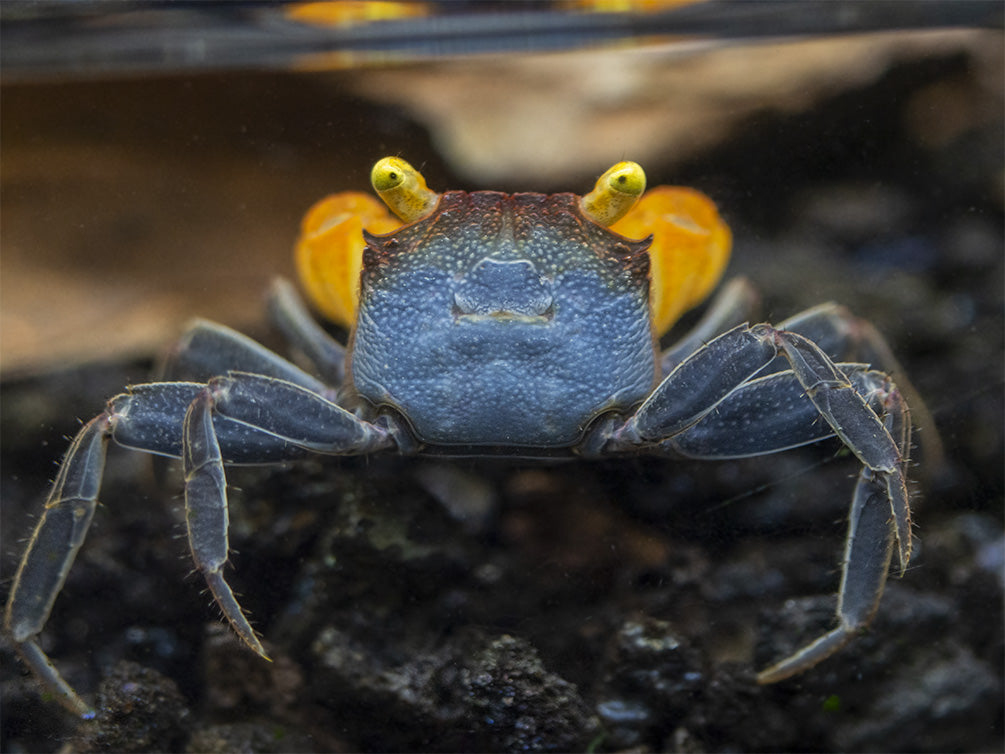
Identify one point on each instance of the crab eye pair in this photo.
(404, 191)
(688, 253)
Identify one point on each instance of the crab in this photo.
(487, 323)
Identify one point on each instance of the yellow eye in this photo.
(389, 173)
(615, 193)
(403, 189)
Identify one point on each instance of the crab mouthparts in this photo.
(503, 315)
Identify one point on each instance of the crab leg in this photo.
(699, 407)
(208, 349)
(206, 513)
(732, 306)
(286, 413)
(867, 555)
(289, 314)
(845, 337)
(240, 418)
(862, 431)
(68, 511)
(868, 550)
(51, 550)
(776, 405)
(701, 381)
(832, 327)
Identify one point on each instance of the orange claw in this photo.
(329, 251)
(691, 246)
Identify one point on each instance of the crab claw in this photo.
(329, 251)
(689, 252)
(403, 189)
(614, 194)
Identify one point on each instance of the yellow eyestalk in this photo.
(403, 189)
(615, 193)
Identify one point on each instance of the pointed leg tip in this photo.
(252, 642)
(787, 668)
(771, 675)
(52, 681)
(79, 707)
(802, 660)
(247, 635)
(232, 612)
(903, 556)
